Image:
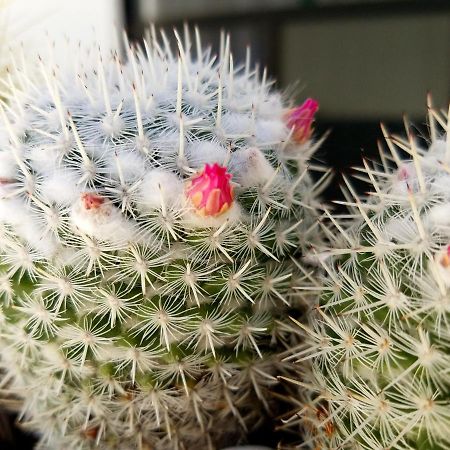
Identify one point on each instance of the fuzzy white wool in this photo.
(64, 144)
(44, 160)
(236, 124)
(96, 151)
(64, 256)
(53, 120)
(250, 167)
(438, 148)
(20, 125)
(38, 238)
(270, 107)
(28, 224)
(126, 165)
(430, 165)
(401, 230)
(104, 222)
(439, 217)
(167, 147)
(12, 209)
(163, 93)
(8, 165)
(205, 152)
(112, 125)
(270, 131)
(159, 188)
(198, 99)
(193, 220)
(441, 185)
(61, 187)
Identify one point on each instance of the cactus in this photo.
(150, 215)
(375, 363)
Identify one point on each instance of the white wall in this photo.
(87, 21)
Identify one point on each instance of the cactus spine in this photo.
(150, 212)
(376, 359)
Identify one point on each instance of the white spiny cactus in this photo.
(376, 360)
(150, 212)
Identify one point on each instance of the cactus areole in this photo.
(151, 213)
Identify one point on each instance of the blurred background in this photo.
(364, 60)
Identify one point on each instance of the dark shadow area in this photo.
(347, 144)
(12, 437)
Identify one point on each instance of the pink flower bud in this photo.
(406, 172)
(301, 119)
(444, 257)
(92, 201)
(210, 191)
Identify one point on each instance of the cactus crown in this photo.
(379, 341)
(149, 211)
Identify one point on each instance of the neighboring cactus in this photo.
(379, 341)
(150, 214)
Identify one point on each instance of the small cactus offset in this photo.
(376, 361)
(150, 215)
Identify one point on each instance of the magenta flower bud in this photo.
(91, 200)
(301, 119)
(210, 190)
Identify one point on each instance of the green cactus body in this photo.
(150, 212)
(376, 360)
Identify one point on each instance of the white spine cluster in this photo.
(129, 321)
(376, 359)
